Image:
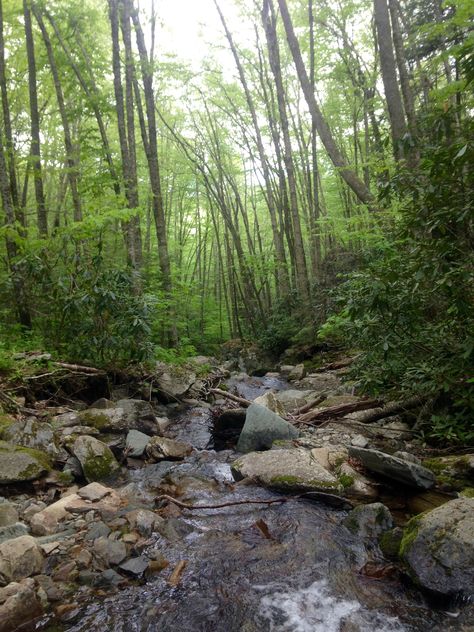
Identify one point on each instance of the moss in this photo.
(381, 515)
(286, 481)
(99, 421)
(66, 477)
(5, 422)
(409, 534)
(390, 541)
(345, 480)
(468, 492)
(453, 472)
(97, 467)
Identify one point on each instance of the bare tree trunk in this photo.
(35, 127)
(348, 175)
(389, 76)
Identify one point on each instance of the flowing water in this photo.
(284, 568)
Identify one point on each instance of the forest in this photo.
(310, 184)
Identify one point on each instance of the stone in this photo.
(109, 577)
(135, 566)
(454, 472)
(18, 464)
(269, 400)
(8, 514)
(173, 383)
(18, 605)
(392, 467)
(96, 459)
(136, 443)
(12, 531)
(19, 558)
(73, 465)
(52, 590)
(97, 530)
(94, 492)
(65, 572)
(34, 506)
(289, 470)
(359, 441)
(31, 433)
(103, 403)
(49, 547)
(262, 427)
(47, 521)
(292, 398)
(162, 448)
(355, 484)
(297, 373)
(438, 548)
(128, 414)
(109, 551)
(143, 520)
(369, 521)
(407, 456)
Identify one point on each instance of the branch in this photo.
(235, 398)
(338, 411)
(393, 409)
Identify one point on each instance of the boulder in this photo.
(292, 399)
(128, 414)
(438, 548)
(19, 464)
(136, 443)
(96, 459)
(94, 492)
(369, 521)
(13, 531)
(8, 514)
(297, 373)
(19, 558)
(453, 472)
(287, 469)
(262, 427)
(393, 467)
(18, 605)
(173, 383)
(161, 448)
(31, 433)
(47, 521)
(270, 401)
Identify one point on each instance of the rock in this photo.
(8, 514)
(109, 551)
(13, 531)
(52, 591)
(74, 466)
(31, 433)
(359, 441)
(407, 456)
(94, 492)
(454, 472)
(136, 443)
(173, 383)
(19, 558)
(297, 373)
(355, 484)
(269, 400)
(293, 469)
(19, 464)
(426, 501)
(103, 403)
(396, 429)
(161, 448)
(292, 399)
(389, 542)
(66, 572)
(47, 521)
(96, 459)
(109, 578)
(135, 566)
(128, 414)
(369, 521)
(261, 428)
(143, 520)
(97, 530)
(438, 548)
(18, 605)
(394, 468)
(286, 369)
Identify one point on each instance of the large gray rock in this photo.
(96, 459)
(292, 469)
(173, 383)
(394, 468)
(438, 548)
(18, 605)
(19, 558)
(136, 443)
(262, 427)
(128, 414)
(31, 433)
(19, 464)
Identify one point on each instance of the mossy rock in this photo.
(96, 459)
(454, 472)
(19, 464)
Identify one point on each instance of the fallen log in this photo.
(310, 405)
(333, 412)
(392, 409)
(235, 398)
(338, 364)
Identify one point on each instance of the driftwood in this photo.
(178, 570)
(392, 409)
(329, 499)
(235, 398)
(333, 412)
(79, 367)
(310, 405)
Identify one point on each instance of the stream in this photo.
(285, 568)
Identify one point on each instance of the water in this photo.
(277, 568)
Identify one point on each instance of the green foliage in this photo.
(278, 332)
(410, 310)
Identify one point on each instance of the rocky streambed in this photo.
(85, 545)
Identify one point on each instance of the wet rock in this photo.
(394, 468)
(19, 558)
(18, 605)
(8, 514)
(369, 521)
(143, 520)
(173, 383)
(19, 464)
(109, 551)
(31, 433)
(128, 414)
(135, 566)
(262, 427)
(162, 448)
(13, 531)
(94, 492)
(136, 443)
(438, 548)
(96, 459)
(293, 469)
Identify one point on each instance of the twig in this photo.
(235, 398)
(310, 405)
